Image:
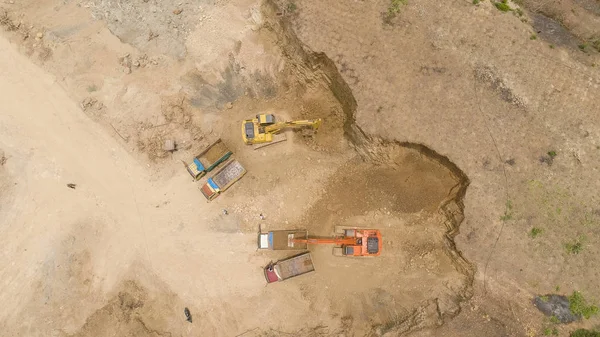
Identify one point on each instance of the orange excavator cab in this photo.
(351, 242)
(367, 243)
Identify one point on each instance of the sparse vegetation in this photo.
(507, 212)
(554, 319)
(389, 325)
(533, 36)
(535, 231)
(549, 158)
(551, 46)
(596, 44)
(585, 333)
(589, 219)
(579, 306)
(503, 6)
(291, 7)
(544, 298)
(475, 2)
(393, 10)
(583, 47)
(550, 331)
(395, 6)
(519, 12)
(92, 88)
(575, 247)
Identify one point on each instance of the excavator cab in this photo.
(248, 131)
(254, 130)
(370, 248)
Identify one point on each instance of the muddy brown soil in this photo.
(400, 191)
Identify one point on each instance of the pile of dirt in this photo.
(131, 312)
(179, 121)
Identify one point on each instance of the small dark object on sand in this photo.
(72, 186)
(188, 315)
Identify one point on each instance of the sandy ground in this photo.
(91, 89)
(125, 251)
(81, 244)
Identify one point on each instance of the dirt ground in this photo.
(454, 128)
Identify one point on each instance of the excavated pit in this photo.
(409, 191)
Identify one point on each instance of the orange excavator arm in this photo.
(335, 241)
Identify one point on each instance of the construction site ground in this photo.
(469, 136)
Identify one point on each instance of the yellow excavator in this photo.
(262, 128)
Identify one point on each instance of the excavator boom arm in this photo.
(335, 241)
(293, 125)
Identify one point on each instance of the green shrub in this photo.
(291, 7)
(585, 333)
(575, 247)
(502, 6)
(579, 306)
(395, 6)
(535, 232)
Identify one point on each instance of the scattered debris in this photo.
(70, 185)
(152, 35)
(188, 315)
(177, 11)
(7, 22)
(91, 103)
(170, 145)
(225, 212)
(126, 62)
(555, 306)
(262, 217)
(2, 158)
(228, 105)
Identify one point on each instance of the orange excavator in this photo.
(350, 241)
